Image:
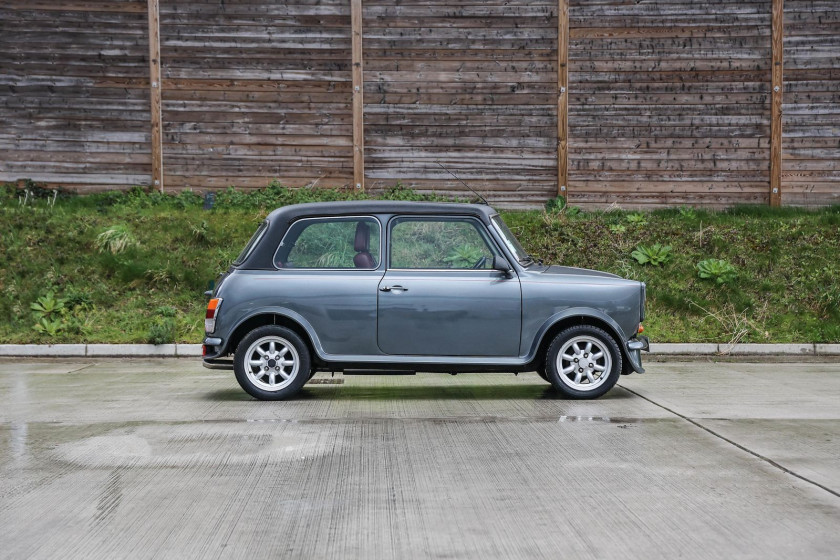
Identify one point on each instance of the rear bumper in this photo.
(217, 364)
(213, 347)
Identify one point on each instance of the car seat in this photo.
(361, 245)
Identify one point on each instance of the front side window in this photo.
(439, 243)
(330, 243)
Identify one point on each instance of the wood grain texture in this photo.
(810, 157)
(670, 102)
(666, 102)
(776, 104)
(358, 95)
(257, 91)
(470, 86)
(563, 99)
(156, 130)
(74, 93)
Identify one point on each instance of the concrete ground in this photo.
(117, 458)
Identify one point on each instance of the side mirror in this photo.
(501, 264)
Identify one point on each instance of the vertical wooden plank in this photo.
(563, 98)
(776, 105)
(154, 94)
(358, 100)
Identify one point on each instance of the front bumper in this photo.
(634, 352)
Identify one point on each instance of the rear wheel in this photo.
(272, 363)
(583, 362)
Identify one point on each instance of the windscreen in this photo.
(510, 240)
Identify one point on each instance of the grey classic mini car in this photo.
(394, 287)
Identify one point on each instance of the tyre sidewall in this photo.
(583, 330)
(301, 377)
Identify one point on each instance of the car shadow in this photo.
(419, 392)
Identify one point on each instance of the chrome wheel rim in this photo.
(271, 363)
(584, 363)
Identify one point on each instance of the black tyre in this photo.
(583, 362)
(272, 363)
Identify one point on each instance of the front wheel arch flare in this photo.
(579, 350)
(571, 321)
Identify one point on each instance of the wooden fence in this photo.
(640, 103)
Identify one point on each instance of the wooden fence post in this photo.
(563, 98)
(154, 94)
(776, 104)
(358, 99)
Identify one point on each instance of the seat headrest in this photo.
(362, 241)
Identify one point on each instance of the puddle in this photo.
(193, 445)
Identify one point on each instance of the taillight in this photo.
(210, 317)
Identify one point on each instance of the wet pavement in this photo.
(164, 459)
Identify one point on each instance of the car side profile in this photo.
(389, 287)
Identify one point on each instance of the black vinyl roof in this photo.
(314, 209)
(261, 257)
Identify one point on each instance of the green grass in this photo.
(144, 281)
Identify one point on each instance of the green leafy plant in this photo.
(636, 218)
(77, 299)
(49, 327)
(162, 331)
(688, 212)
(655, 254)
(48, 306)
(199, 231)
(49, 314)
(618, 228)
(464, 256)
(160, 277)
(555, 205)
(166, 311)
(717, 270)
(559, 205)
(115, 240)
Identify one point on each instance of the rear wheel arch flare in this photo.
(263, 319)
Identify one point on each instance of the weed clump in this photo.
(717, 270)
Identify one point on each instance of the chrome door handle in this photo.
(393, 288)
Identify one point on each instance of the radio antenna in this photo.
(484, 200)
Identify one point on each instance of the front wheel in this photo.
(272, 363)
(583, 362)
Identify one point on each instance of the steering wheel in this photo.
(480, 262)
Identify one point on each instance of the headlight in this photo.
(642, 302)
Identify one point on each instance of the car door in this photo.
(440, 295)
(328, 272)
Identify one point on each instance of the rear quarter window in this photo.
(251, 244)
(330, 243)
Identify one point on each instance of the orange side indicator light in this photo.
(641, 329)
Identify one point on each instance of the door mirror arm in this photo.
(501, 264)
